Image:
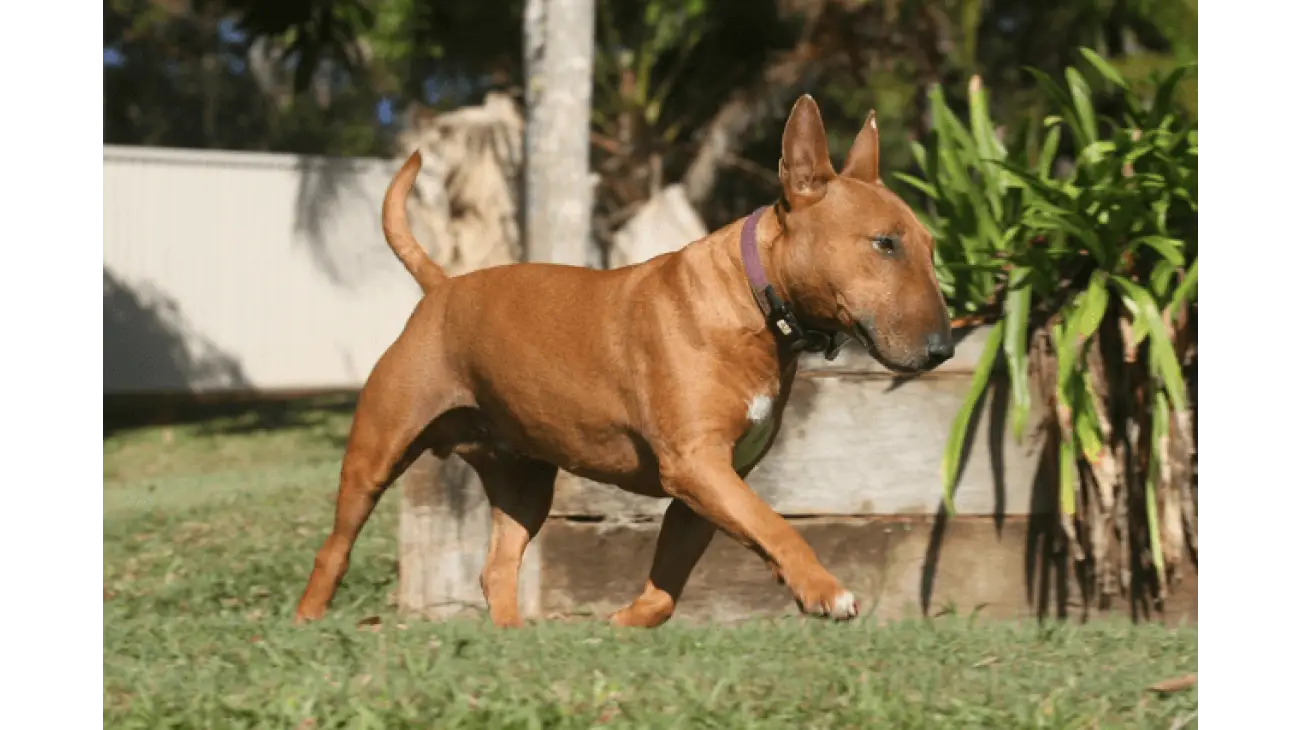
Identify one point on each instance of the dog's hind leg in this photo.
(683, 538)
(388, 433)
(520, 492)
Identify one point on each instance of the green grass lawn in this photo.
(209, 533)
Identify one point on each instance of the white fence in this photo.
(245, 271)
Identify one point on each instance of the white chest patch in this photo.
(762, 427)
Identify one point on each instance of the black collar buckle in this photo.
(781, 320)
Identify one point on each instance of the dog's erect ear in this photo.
(805, 158)
(863, 161)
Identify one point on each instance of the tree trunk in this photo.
(445, 519)
(559, 50)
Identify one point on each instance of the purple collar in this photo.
(777, 313)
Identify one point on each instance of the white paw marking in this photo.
(846, 606)
(760, 408)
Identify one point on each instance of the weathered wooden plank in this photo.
(897, 567)
(443, 531)
(852, 445)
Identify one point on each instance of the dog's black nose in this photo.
(939, 346)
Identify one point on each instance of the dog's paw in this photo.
(842, 607)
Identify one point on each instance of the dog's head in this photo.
(852, 256)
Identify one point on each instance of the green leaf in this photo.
(949, 126)
(1087, 428)
(1047, 155)
(1159, 431)
(1161, 274)
(961, 423)
(957, 178)
(1161, 210)
(1088, 424)
(1064, 363)
(1163, 360)
(1185, 289)
(1103, 66)
(1082, 231)
(1165, 93)
(921, 185)
(1015, 344)
(1170, 248)
(919, 152)
(1066, 388)
(1096, 151)
(987, 147)
(1052, 88)
(1092, 306)
(1082, 96)
(1048, 189)
(1069, 468)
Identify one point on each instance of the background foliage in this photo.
(691, 90)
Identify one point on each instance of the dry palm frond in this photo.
(466, 202)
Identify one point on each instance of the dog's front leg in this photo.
(683, 538)
(704, 480)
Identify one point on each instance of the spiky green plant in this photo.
(1087, 266)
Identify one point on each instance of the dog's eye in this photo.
(887, 245)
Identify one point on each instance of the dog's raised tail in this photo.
(397, 231)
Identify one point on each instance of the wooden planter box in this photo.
(855, 469)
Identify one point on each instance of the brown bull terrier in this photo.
(667, 378)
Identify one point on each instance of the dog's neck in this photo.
(780, 312)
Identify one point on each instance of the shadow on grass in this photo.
(223, 415)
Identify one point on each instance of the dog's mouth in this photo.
(862, 333)
(863, 336)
